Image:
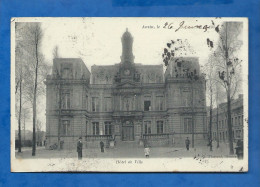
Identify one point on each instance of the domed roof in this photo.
(127, 35)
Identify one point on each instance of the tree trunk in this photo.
(210, 124)
(20, 115)
(217, 129)
(34, 123)
(230, 134)
(59, 122)
(34, 99)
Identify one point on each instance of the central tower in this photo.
(127, 48)
(127, 71)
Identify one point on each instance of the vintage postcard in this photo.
(129, 94)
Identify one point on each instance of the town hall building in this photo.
(125, 102)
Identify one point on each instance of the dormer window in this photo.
(66, 73)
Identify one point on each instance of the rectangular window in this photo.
(187, 125)
(238, 133)
(186, 97)
(159, 102)
(95, 128)
(159, 127)
(147, 127)
(86, 127)
(107, 104)
(239, 120)
(95, 104)
(108, 128)
(65, 101)
(235, 120)
(86, 102)
(147, 103)
(65, 127)
(66, 73)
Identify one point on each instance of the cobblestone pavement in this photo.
(126, 152)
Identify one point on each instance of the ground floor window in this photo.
(147, 105)
(108, 128)
(159, 127)
(65, 127)
(187, 125)
(238, 133)
(95, 128)
(147, 127)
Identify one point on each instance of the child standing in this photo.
(146, 151)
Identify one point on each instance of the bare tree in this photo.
(173, 52)
(39, 128)
(218, 98)
(36, 33)
(210, 85)
(229, 66)
(35, 70)
(55, 52)
(20, 57)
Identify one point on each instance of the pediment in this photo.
(127, 84)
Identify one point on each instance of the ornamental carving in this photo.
(151, 76)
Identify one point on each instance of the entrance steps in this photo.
(127, 144)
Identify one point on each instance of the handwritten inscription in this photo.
(182, 26)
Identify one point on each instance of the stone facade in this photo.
(220, 129)
(127, 102)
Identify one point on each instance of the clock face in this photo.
(127, 72)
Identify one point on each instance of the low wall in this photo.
(176, 140)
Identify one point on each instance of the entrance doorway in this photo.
(128, 131)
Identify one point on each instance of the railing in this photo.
(155, 136)
(98, 137)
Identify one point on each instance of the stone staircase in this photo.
(127, 144)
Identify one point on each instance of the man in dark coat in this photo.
(187, 142)
(102, 146)
(79, 148)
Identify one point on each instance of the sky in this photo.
(98, 40)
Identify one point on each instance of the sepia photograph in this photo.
(129, 94)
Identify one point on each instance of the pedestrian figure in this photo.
(239, 149)
(79, 148)
(173, 141)
(210, 145)
(146, 151)
(102, 146)
(187, 142)
(61, 144)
